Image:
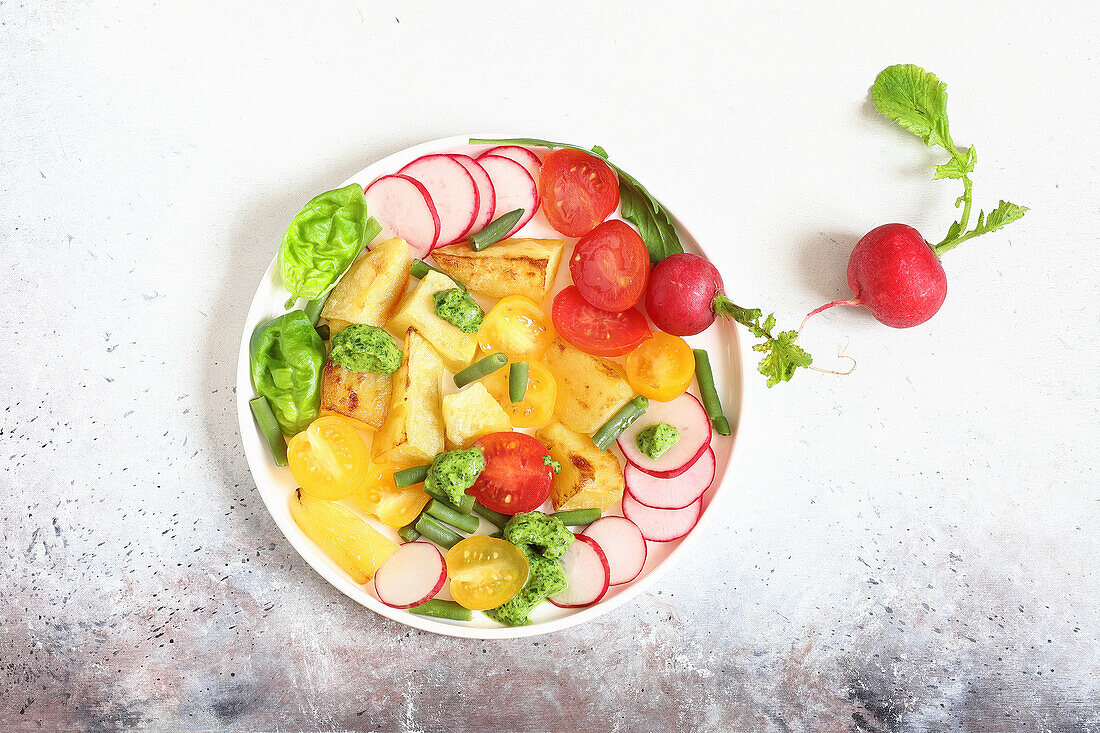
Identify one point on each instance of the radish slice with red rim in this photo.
(453, 190)
(587, 573)
(623, 545)
(404, 207)
(514, 186)
(521, 155)
(662, 525)
(412, 575)
(671, 493)
(687, 415)
(484, 189)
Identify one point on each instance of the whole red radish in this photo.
(682, 292)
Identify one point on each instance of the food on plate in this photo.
(524, 267)
(514, 478)
(417, 310)
(412, 575)
(479, 369)
(269, 427)
(578, 191)
(578, 517)
(286, 356)
(589, 477)
(597, 331)
(535, 406)
(497, 230)
(322, 240)
(590, 389)
(485, 572)
(655, 440)
(517, 327)
(383, 499)
(521, 155)
(543, 532)
(453, 472)
(709, 392)
(610, 266)
(329, 459)
(361, 396)
(671, 493)
(407, 210)
(370, 289)
(351, 543)
(459, 309)
(362, 348)
(686, 414)
(543, 540)
(661, 367)
(620, 421)
(623, 545)
(587, 574)
(487, 198)
(515, 188)
(472, 413)
(438, 532)
(662, 525)
(519, 375)
(452, 190)
(413, 431)
(442, 609)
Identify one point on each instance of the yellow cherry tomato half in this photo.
(381, 498)
(536, 409)
(329, 459)
(517, 327)
(661, 367)
(485, 572)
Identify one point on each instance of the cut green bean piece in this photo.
(446, 514)
(495, 230)
(443, 609)
(578, 517)
(420, 269)
(436, 532)
(269, 426)
(409, 476)
(463, 507)
(408, 533)
(495, 517)
(517, 381)
(620, 421)
(480, 368)
(709, 392)
(314, 307)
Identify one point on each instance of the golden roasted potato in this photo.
(472, 413)
(589, 477)
(413, 430)
(369, 290)
(335, 326)
(590, 389)
(509, 267)
(362, 396)
(417, 310)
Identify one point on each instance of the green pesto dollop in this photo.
(656, 439)
(546, 534)
(554, 465)
(454, 471)
(363, 348)
(459, 308)
(543, 539)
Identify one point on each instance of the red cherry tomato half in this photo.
(516, 478)
(610, 266)
(578, 191)
(597, 331)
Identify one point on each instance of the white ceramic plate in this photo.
(276, 485)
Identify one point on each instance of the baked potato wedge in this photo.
(362, 396)
(413, 430)
(510, 267)
(590, 388)
(417, 310)
(369, 290)
(589, 477)
(472, 413)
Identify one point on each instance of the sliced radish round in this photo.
(413, 574)
(515, 188)
(623, 545)
(671, 493)
(453, 190)
(686, 414)
(404, 206)
(521, 155)
(484, 190)
(662, 525)
(587, 573)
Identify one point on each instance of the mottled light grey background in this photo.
(911, 548)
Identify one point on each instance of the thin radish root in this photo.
(841, 355)
(854, 301)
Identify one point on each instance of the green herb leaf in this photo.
(915, 99)
(782, 357)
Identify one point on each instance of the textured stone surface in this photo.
(911, 548)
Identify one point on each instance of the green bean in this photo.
(436, 532)
(447, 515)
(620, 421)
(480, 368)
(578, 517)
(709, 392)
(269, 426)
(409, 533)
(517, 381)
(314, 307)
(324, 332)
(443, 609)
(420, 269)
(462, 507)
(495, 230)
(409, 476)
(495, 517)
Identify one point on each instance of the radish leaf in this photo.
(782, 354)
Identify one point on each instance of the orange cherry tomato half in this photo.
(516, 478)
(596, 331)
(485, 572)
(610, 266)
(329, 459)
(661, 368)
(578, 191)
(381, 498)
